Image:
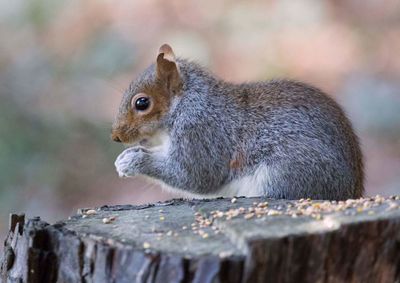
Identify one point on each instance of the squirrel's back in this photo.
(292, 132)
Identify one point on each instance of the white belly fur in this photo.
(250, 185)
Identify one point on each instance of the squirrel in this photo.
(204, 137)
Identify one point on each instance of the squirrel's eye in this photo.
(142, 103)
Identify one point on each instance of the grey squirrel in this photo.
(205, 137)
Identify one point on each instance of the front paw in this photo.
(130, 161)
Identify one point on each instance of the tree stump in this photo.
(220, 240)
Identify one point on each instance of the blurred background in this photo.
(65, 64)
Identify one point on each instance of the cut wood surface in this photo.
(220, 240)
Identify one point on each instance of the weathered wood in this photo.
(211, 241)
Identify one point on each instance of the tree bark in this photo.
(220, 240)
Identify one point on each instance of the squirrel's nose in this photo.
(115, 138)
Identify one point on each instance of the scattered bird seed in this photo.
(203, 223)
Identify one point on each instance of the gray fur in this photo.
(300, 134)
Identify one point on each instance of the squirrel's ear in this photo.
(167, 68)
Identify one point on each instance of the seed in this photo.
(107, 220)
(318, 217)
(272, 213)
(146, 245)
(393, 205)
(91, 212)
(262, 204)
(162, 218)
(249, 215)
(366, 205)
(316, 205)
(225, 254)
(233, 200)
(220, 214)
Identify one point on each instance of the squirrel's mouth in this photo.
(149, 141)
(144, 142)
(132, 143)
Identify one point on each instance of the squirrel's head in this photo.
(148, 100)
